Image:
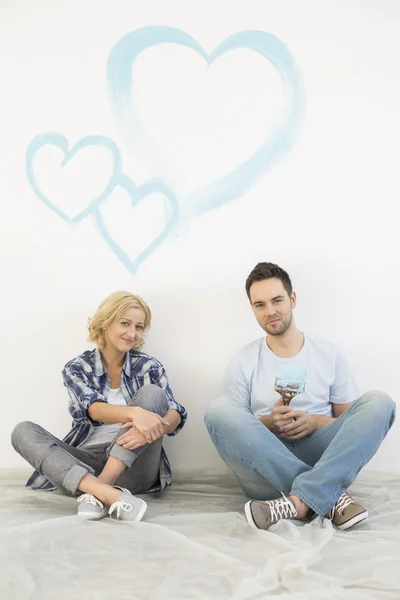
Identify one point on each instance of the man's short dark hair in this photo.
(268, 270)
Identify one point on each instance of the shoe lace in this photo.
(340, 506)
(90, 499)
(120, 506)
(281, 508)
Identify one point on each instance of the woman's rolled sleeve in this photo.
(81, 393)
(159, 377)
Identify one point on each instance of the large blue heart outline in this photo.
(118, 178)
(280, 140)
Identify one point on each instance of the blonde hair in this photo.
(112, 308)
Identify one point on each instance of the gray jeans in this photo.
(65, 465)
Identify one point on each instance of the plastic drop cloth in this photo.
(194, 543)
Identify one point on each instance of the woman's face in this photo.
(125, 332)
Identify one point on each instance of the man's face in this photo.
(272, 305)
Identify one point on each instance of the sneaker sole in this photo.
(141, 512)
(357, 519)
(93, 516)
(249, 516)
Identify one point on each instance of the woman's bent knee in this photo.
(21, 432)
(151, 397)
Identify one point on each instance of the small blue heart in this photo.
(139, 194)
(60, 141)
(275, 147)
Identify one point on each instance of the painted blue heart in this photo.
(136, 194)
(139, 194)
(60, 141)
(279, 142)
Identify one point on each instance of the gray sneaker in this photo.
(128, 507)
(90, 507)
(347, 512)
(263, 514)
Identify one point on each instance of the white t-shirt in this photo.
(250, 377)
(104, 434)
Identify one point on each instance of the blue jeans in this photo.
(317, 468)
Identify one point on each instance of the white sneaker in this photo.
(90, 507)
(128, 507)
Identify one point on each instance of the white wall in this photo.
(327, 211)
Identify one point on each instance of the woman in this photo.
(122, 406)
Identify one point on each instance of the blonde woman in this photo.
(122, 406)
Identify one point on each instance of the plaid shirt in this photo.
(87, 381)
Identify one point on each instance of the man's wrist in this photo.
(266, 420)
(321, 420)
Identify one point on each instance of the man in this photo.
(299, 459)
